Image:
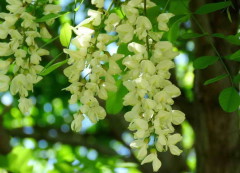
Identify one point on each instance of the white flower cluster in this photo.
(146, 78)
(90, 53)
(20, 50)
(151, 95)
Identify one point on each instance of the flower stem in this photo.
(147, 37)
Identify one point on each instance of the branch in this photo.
(70, 138)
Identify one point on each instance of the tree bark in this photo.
(5, 146)
(217, 132)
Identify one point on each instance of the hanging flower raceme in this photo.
(90, 55)
(147, 80)
(20, 50)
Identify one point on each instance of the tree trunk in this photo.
(217, 141)
(5, 147)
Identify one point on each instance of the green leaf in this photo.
(114, 103)
(51, 16)
(236, 79)
(52, 68)
(233, 39)
(63, 167)
(192, 35)
(178, 7)
(229, 99)
(204, 61)
(174, 25)
(123, 49)
(212, 7)
(49, 42)
(65, 34)
(65, 153)
(152, 14)
(235, 56)
(3, 161)
(229, 15)
(161, 3)
(118, 12)
(18, 160)
(215, 79)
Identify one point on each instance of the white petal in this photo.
(177, 117)
(137, 143)
(173, 139)
(162, 140)
(175, 150)
(156, 164)
(148, 159)
(142, 152)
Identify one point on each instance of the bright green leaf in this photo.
(64, 153)
(229, 99)
(215, 79)
(211, 7)
(114, 103)
(51, 16)
(204, 62)
(65, 34)
(52, 68)
(235, 56)
(63, 167)
(118, 12)
(18, 160)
